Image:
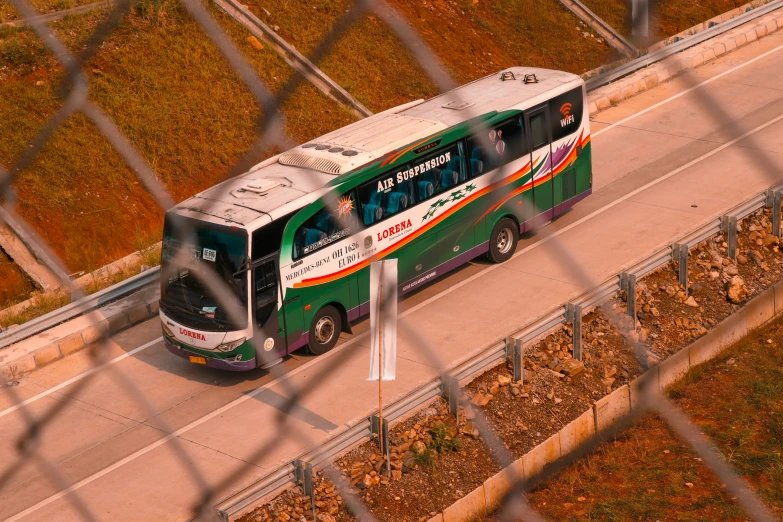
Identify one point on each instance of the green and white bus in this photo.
(414, 183)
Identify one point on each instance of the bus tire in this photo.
(324, 330)
(503, 241)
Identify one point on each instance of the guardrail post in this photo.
(451, 390)
(304, 477)
(382, 432)
(728, 225)
(516, 359)
(680, 253)
(776, 197)
(628, 283)
(574, 315)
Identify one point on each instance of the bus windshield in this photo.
(184, 296)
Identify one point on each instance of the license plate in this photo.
(198, 360)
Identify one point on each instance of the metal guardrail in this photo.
(483, 361)
(672, 49)
(88, 303)
(79, 307)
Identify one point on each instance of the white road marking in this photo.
(449, 290)
(683, 93)
(78, 377)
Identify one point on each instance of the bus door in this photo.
(539, 143)
(269, 319)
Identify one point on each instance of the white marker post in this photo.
(383, 329)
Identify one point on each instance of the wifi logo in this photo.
(568, 118)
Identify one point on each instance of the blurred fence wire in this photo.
(75, 95)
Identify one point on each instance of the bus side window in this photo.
(508, 144)
(566, 113)
(385, 196)
(440, 171)
(538, 134)
(330, 224)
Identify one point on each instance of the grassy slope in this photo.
(168, 89)
(669, 18)
(8, 13)
(472, 40)
(368, 61)
(14, 284)
(616, 13)
(735, 400)
(674, 16)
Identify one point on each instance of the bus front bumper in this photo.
(211, 362)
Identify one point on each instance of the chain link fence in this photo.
(75, 93)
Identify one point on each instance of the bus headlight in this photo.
(233, 345)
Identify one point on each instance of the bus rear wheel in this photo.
(503, 241)
(324, 330)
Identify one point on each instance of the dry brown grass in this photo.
(675, 16)
(368, 61)
(616, 13)
(669, 18)
(171, 93)
(8, 13)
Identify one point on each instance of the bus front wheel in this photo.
(503, 241)
(324, 330)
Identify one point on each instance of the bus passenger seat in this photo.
(476, 167)
(372, 213)
(395, 202)
(448, 178)
(426, 189)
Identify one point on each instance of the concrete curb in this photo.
(101, 275)
(756, 312)
(644, 79)
(70, 337)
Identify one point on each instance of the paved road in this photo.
(665, 168)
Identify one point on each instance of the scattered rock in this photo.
(691, 302)
(572, 367)
(255, 43)
(481, 400)
(470, 430)
(736, 292)
(756, 257)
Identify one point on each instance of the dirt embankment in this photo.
(170, 91)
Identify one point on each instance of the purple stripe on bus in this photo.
(544, 217)
(562, 207)
(299, 342)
